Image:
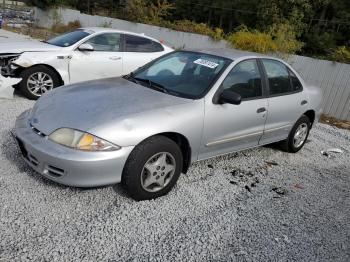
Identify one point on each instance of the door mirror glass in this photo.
(86, 47)
(230, 97)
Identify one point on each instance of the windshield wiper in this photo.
(130, 77)
(153, 85)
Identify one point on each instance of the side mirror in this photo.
(86, 47)
(230, 97)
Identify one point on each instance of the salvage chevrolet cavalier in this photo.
(80, 55)
(148, 127)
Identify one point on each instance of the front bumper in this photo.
(68, 166)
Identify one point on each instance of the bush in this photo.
(255, 41)
(60, 28)
(279, 39)
(340, 54)
(284, 37)
(198, 28)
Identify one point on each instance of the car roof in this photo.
(232, 54)
(109, 30)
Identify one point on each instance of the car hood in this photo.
(26, 46)
(88, 105)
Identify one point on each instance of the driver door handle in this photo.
(261, 110)
(115, 58)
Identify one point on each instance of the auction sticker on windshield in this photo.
(206, 63)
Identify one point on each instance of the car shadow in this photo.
(274, 146)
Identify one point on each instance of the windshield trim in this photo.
(227, 60)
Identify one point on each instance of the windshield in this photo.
(187, 74)
(69, 38)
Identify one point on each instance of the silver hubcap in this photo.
(39, 83)
(158, 172)
(300, 135)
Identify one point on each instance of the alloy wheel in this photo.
(39, 83)
(300, 135)
(158, 172)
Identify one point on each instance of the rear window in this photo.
(141, 44)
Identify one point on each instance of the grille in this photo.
(37, 131)
(55, 171)
(32, 159)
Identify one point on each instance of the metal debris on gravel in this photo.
(205, 218)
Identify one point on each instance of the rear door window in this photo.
(141, 44)
(278, 77)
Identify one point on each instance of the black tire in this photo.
(132, 173)
(288, 144)
(25, 75)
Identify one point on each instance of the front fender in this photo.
(58, 61)
(185, 119)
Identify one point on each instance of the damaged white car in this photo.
(81, 55)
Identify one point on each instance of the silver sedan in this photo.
(146, 128)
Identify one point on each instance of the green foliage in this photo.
(136, 10)
(340, 54)
(159, 10)
(198, 28)
(252, 40)
(43, 4)
(284, 37)
(319, 43)
(279, 39)
(144, 12)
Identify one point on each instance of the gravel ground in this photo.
(256, 205)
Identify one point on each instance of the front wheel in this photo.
(298, 135)
(153, 168)
(38, 80)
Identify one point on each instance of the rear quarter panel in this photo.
(315, 96)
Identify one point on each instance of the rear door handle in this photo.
(261, 110)
(115, 58)
(304, 102)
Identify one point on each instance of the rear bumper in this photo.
(68, 166)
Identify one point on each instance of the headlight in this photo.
(81, 140)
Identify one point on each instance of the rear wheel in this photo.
(38, 80)
(152, 168)
(298, 135)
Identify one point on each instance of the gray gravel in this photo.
(256, 205)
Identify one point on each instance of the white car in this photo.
(80, 55)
